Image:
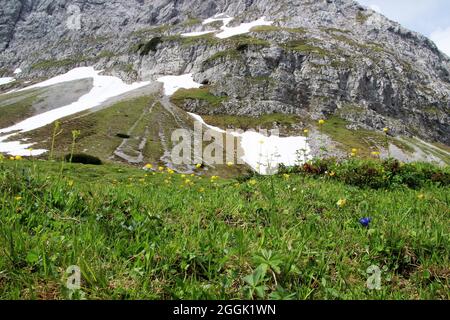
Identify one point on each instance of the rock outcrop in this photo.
(318, 58)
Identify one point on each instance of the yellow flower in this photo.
(187, 181)
(341, 203)
(18, 158)
(167, 181)
(161, 168)
(183, 176)
(321, 122)
(199, 165)
(70, 183)
(148, 166)
(386, 130)
(230, 164)
(201, 190)
(193, 175)
(170, 171)
(354, 150)
(286, 176)
(306, 131)
(375, 153)
(18, 198)
(353, 154)
(421, 196)
(332, 174)
(252, 182)
(214, 178)
(12, 158)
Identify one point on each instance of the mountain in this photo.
(300, 61)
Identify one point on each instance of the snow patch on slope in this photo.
(173, 83)
(227, 32)
(104, 88)
(243, 28)
(196, 34)
(265, 153)
(262, 153)
(6, 80)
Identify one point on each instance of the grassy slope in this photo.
(15, 107)
(138, 236)
(98, 129)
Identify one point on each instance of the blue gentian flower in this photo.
(365, 221)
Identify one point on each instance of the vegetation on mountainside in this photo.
(160, 235)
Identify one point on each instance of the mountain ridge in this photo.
(317, 59)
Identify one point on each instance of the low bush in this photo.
(83, 159)
(374, 174)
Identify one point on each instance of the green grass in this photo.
(225, 54)
(263, 29)
(136, 235)
(366, 141)
(361, 17)
(16, 107)
(98, 129)
(54, 63)
(244, 122)
(200, 94)
(306, 46)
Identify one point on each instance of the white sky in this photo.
(429, 17)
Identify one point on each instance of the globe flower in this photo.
(306, 131)
(161, 168)
(198, 165)
(341, 203)
(148, 166)
(286, 176)
(230, 164)
(18, 158)
(365, 222)
(321, 122)
(386, 130)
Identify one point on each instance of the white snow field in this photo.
(18, 71)
(243, 28)
(196, 34)
(219, 17)
(104, 88)
(262, 153)
(227, 32)
(173, 83)
(265, 153)
(6, 80)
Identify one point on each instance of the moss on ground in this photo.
(201, 94)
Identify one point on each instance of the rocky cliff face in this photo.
(318, 58)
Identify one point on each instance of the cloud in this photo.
(442, 39)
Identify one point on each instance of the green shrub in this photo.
(145, 48)
(375, 174)
(83, 159)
